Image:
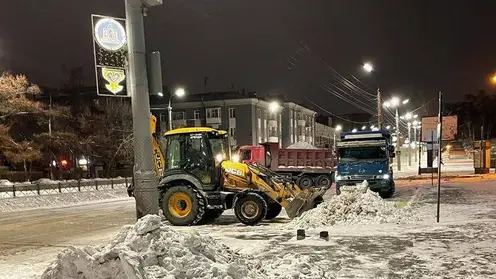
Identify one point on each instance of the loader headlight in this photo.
(385, 176)
(235, 158)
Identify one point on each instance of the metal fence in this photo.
(59, 187)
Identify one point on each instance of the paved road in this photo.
(60, 227)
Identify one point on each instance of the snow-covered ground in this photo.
(60, 199)
(462, 245)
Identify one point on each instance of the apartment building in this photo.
(248, 118)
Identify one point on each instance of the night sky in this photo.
(418, 47)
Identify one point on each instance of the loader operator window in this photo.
(218, 143)
(190, 153)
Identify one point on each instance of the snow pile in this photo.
(357, 206)
(302, 145)
(294, 266)
(152, 250)
(58, 200)
(5, 182)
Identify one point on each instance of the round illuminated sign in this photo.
(110, 34)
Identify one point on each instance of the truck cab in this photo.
(366, 155)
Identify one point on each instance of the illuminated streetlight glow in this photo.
(354, 130)
(160, 94)
(338, 128)
(273, 106)
(364, 127)
(406, 101)
(493, 79)
(368, 67)
(180, 92)
(415, 122)
(395, 101)
(388, 127)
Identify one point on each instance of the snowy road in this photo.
(463, 245)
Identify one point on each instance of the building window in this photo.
(298, 116)
(163, 117)
(232, 131)
(232, 113)
(213, 112)
(196, 114)
(178, 115)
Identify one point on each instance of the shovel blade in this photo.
(306, 200)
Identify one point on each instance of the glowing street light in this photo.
(274, 107)
(388, 127)
(354, 130)
(364, 127)
(368, 67)
(180, 92)
(336, 129)
(493, 79)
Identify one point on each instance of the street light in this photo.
(274, 107)
(337, 129)
(364, 127)
(354, 130)
(180, 92)
(493, 79)
(395, 102)
(369, 68)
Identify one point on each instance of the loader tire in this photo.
(250, 208)
(273, 210)
(183, 206)
(210, 216)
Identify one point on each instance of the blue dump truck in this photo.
(366, 155)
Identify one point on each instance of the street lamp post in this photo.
(179, 93)
(144, 177)
(337, 129)
(395, 102)
(369, 68)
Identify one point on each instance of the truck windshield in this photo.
(362, 153)
(245, 154)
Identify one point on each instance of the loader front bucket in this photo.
(306, 200)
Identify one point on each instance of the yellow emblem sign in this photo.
(114, 77)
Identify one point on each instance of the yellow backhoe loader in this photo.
(198, 181)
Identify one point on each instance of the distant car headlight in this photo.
(385, 176)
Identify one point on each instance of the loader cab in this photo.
(196, 152)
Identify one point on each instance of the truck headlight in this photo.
(338, 177)
(385, 176)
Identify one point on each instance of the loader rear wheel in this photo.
(250, 208)
(183, 206)
(304, 182)
(273, 210)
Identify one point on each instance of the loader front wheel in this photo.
(183, 206)
(273, 210)
(250, 208)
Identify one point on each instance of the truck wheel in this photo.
(273, 210)
(183, 206)
(211, 215)
(324, 180)
(250, 208)
(304, 181)
(389, 193)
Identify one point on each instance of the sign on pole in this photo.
(430, 124)
(110, 53)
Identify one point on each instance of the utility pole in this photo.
(439, 152)
(379, 109)
(145, 181)
(52, 177)
(409, 144)
(398, 141)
